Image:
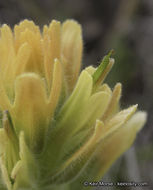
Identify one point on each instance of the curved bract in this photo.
(60, 127)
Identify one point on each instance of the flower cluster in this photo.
(59, 126)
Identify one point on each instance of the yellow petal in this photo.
(118, 120)
(54, 32)
(72, 47)
(30, 112)
(35, 62)
(105, 88)
(96, 106)
(4, 100)
(22, 58)
(7, 37)
(7, 58)
(90, 70)
(114, 102)
(52, 48)
(45, 30)
(19, 29)
(137, 121)
(8, 51)
(56, 87)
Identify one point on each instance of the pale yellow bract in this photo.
(59, 127)
(39, 56)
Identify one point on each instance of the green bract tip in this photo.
(101, 68)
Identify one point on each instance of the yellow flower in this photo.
(57, 125)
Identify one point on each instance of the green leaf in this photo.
(101, 68)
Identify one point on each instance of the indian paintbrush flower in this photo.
(59, 127)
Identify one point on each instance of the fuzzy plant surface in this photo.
(59, 126)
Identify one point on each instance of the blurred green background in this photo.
(127, 27)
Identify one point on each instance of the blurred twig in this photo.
(121, 22)
(132, 167)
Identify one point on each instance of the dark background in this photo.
(125, 26)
